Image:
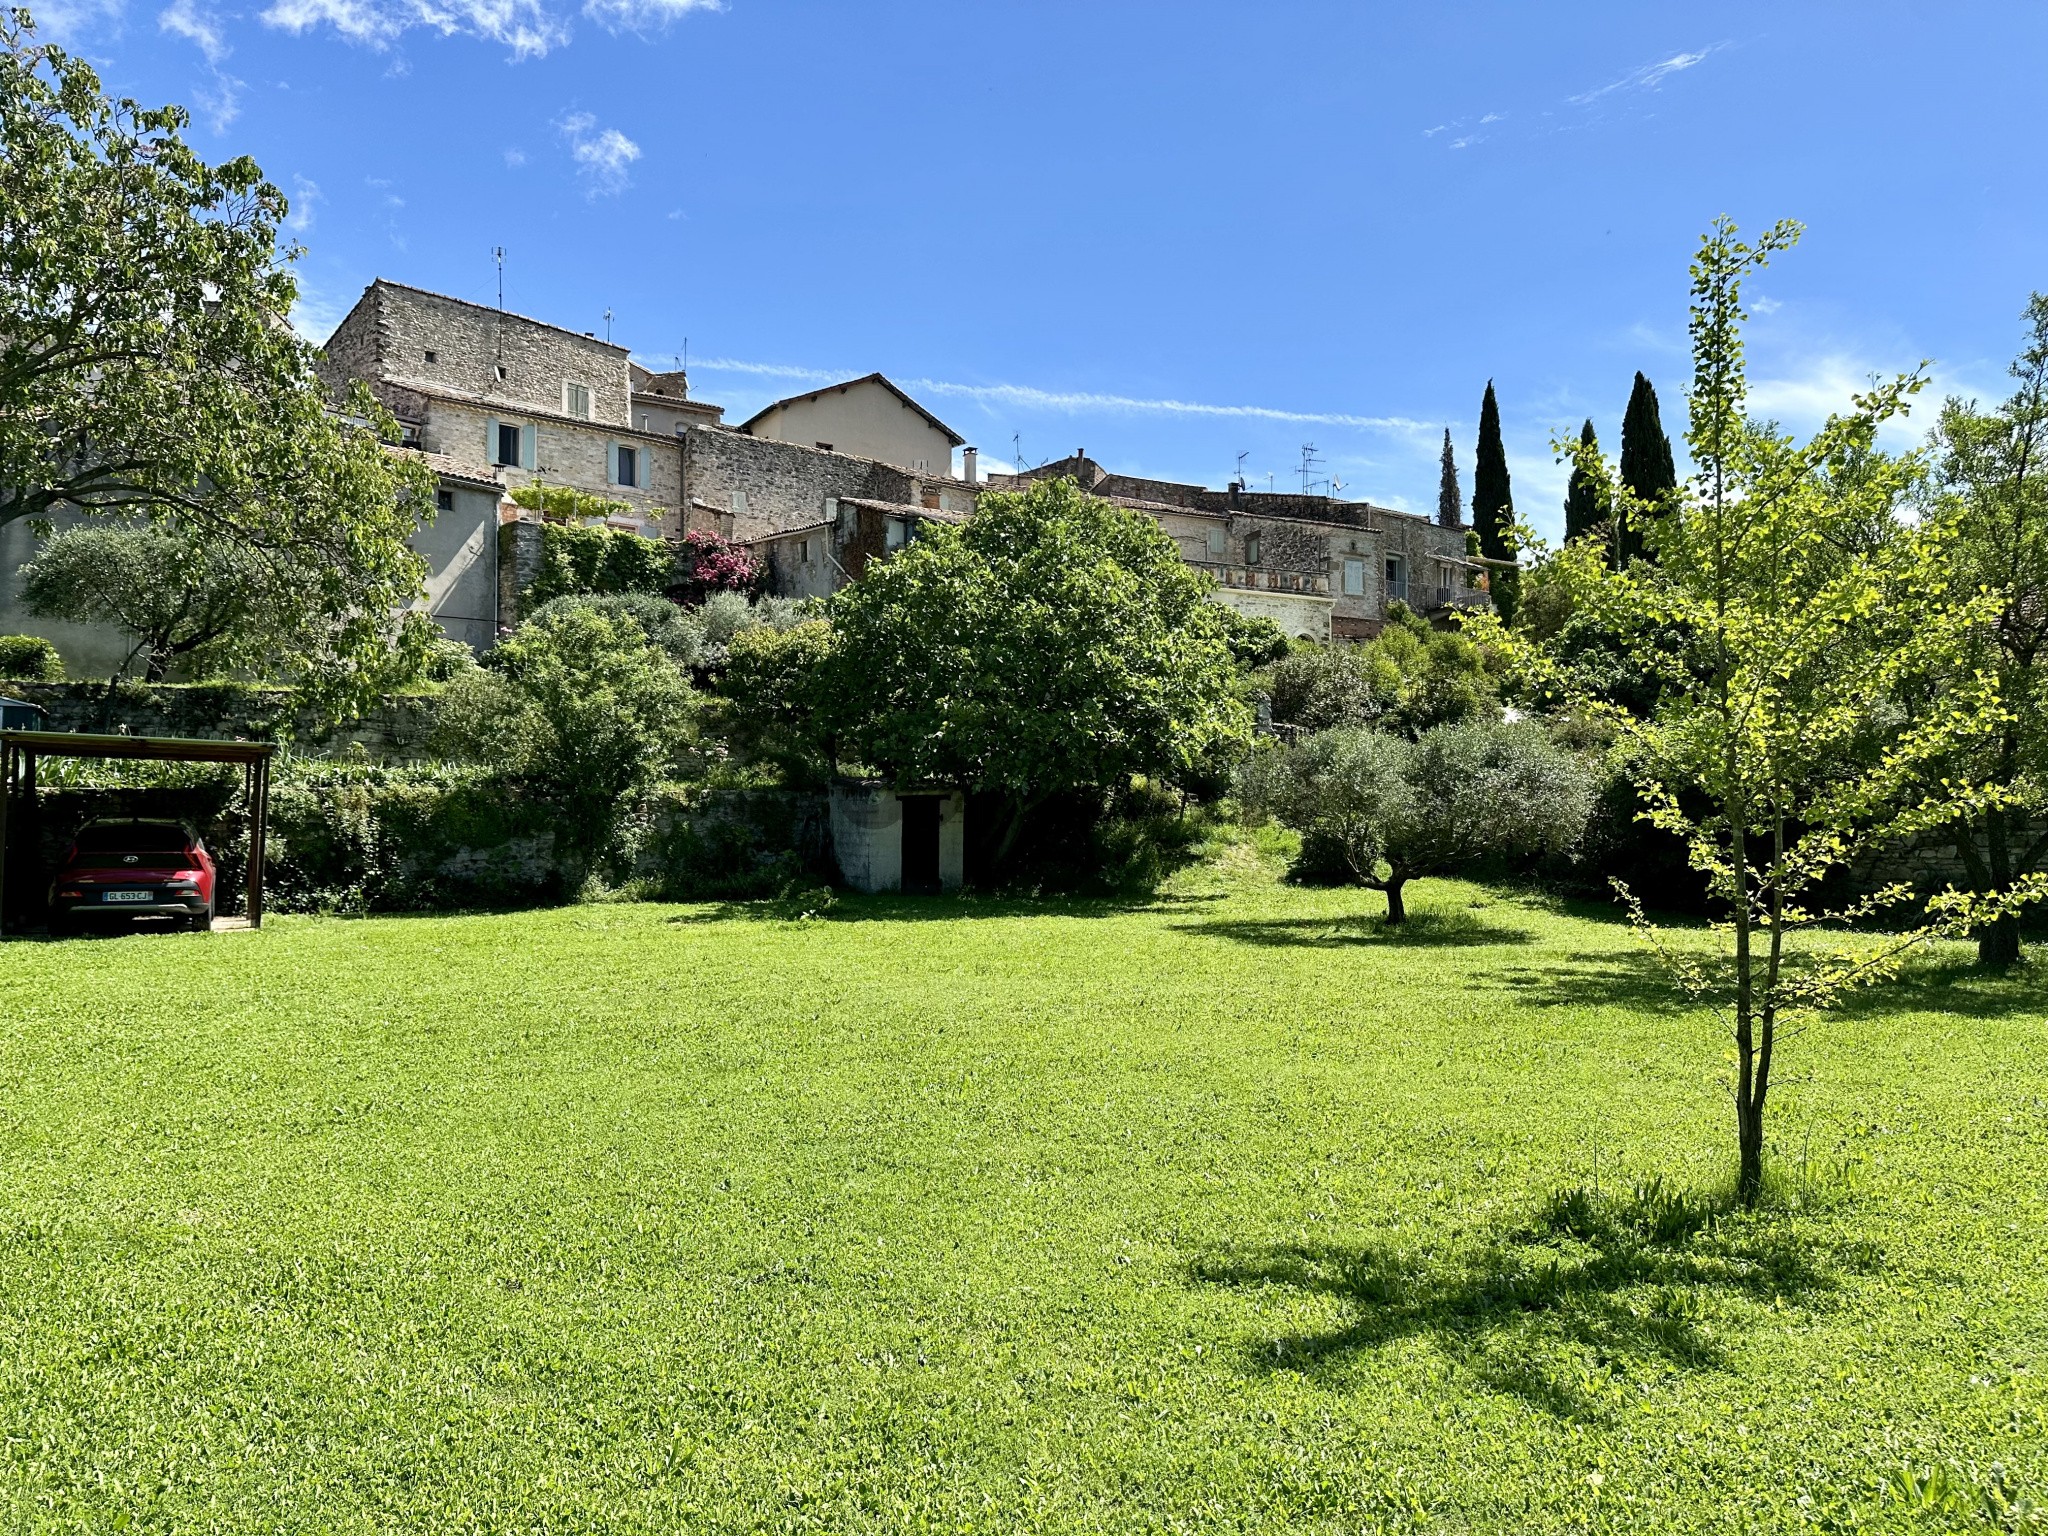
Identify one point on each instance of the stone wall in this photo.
(392, 328)
(396, 728)
(565, 453)
(767, 486)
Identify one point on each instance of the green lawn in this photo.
(1226, 1212)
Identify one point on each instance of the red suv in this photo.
(134, 869)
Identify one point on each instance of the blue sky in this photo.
(1169, 234)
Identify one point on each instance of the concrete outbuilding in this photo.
(890, 840)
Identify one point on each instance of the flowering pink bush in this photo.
(710, 562)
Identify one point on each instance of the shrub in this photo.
(709, 563)
(582, 709)
(773, 687)
(29, 659)
(675, 630)
(597, 561)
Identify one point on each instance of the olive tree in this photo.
(1454, 796)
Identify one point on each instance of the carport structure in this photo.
(21, 750)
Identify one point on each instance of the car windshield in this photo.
(132, 837)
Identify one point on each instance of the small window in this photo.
(826, 446)
(444, 499)
(508, 443)
(803, 551)
(433, 356)
(501, 373)
(576, 400)
(629, 465)
(1251, 549)
(1354, 578)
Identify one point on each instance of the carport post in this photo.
(258, 780)
(6, 794)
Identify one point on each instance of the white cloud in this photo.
(1468, 139)
(314, 316)
(643, 15)
(1492, 117)
(527, 27)
(530, 28)
(1071, 402)
(1763, 306)
(602, 155)
(304, 195)
(515, 157)
(1647, 77)
(68, 21)
(220, 103)
(201, 28)
(1430, 133)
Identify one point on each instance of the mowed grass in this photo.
(1224, 1212)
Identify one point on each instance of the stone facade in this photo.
(1321, 568)
(751, 488)
(455, 372)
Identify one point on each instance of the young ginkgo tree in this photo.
(1790, 599)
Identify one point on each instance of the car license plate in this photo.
(129, 896)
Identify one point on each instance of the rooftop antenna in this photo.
(1017, 452)
(607, 325)
(498, 255)
(1308, 462)
(1240, 465)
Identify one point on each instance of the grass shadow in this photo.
(1423, 930)
(1594, 1294)
(824, 905)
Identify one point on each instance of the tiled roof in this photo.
(866, 378)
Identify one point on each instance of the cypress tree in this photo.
(1493, 507)
(1647, 468)
(1450, 501)
(1583, 509)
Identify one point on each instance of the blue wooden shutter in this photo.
(491, 441)
(526, 447)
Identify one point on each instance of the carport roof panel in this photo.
(175, 749)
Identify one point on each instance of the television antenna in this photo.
(607, 325)
(1240, 465)
(1308, 462)
(498, 255)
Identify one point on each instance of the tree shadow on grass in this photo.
(1636, 980)
(1423, 930)
(1597, 1293)
(890, 907)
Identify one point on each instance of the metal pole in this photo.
(259, 824)
(6, 794)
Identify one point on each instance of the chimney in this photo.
(1236, 493)
(970, 466)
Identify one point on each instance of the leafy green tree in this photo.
(1647, 472)
(199, 606)
(1321, 687)
(1053, 643)
(1450, 501)
(1804, 597)
(1254, 640)
(1493, 508)
(1994, 466)
(601, 562)
(147, 366)
(581, 707)
(773, 687)
(1400, 809)
(1585, 500)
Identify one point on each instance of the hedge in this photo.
(30, 658)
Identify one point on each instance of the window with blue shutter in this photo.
(526, 447)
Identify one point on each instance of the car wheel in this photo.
(63, 926)
(201, 923)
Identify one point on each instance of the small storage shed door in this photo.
(921, 843)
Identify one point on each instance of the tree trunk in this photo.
(1397, 910)
(158, 666)
(1998, 944)
(1749, 1141)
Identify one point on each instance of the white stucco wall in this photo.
(863, 419)
(1298, 613)
(867, 838)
